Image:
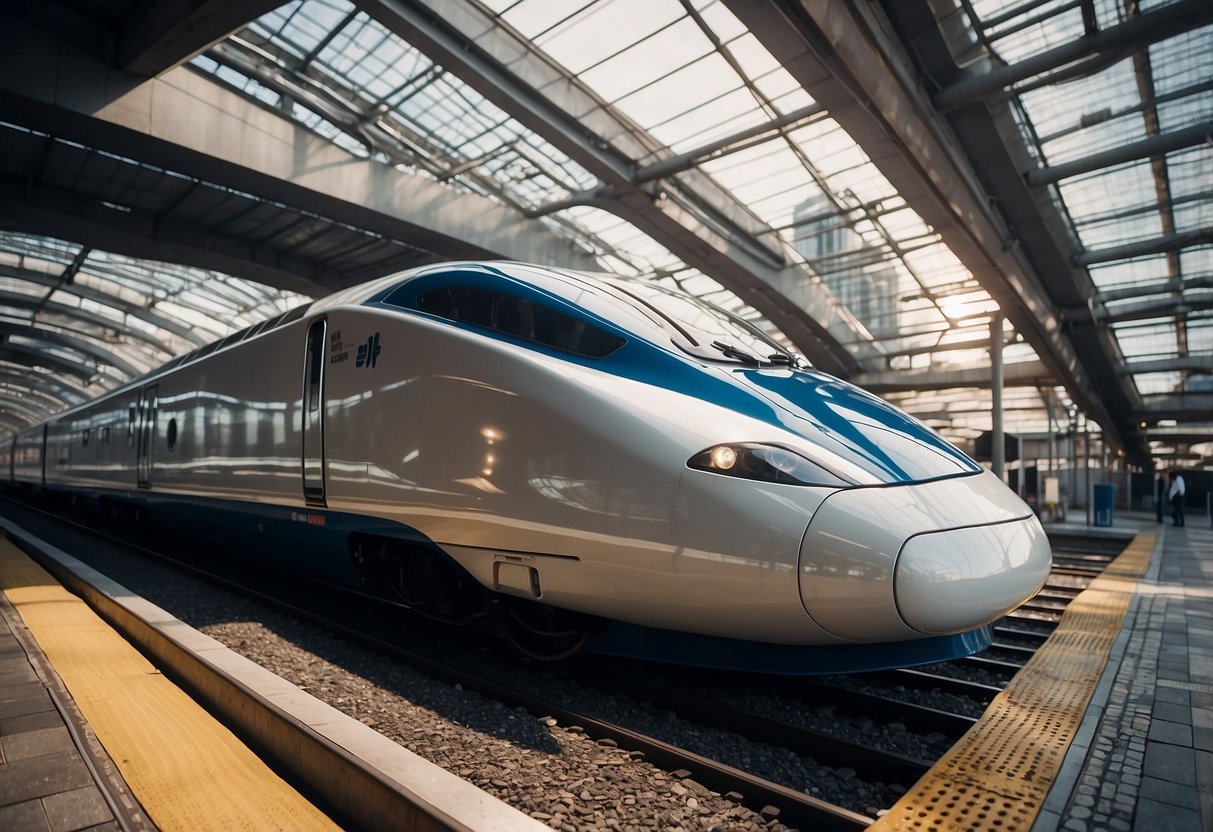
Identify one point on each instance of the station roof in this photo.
(879, 185)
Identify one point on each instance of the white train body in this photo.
(564, 479)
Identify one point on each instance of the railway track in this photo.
(769, 799)
(977, 679)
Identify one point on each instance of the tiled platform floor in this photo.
(45, 781)
(1144, 761)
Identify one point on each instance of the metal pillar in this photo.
(1074, 459)
(1053, 426)
(1086, 454)
(998, 449)
(1023, 470)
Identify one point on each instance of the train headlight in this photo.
(766, 463)
(723, 457)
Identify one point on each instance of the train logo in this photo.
(368, 353)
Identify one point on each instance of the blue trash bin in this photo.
(1104, 497)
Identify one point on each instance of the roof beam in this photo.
(104, 299)
(1142, 248)
(20, 301)
(1019, 374)
(1154, 146)
(164, 33)
(730, 144)
(1187, 363)
(974, 84)
(1195, 433)
(66, 391)
(1160, 308)
(32, 357)
(101, 355)
(1202, 281)
(20, 387)
(18, 413)
(1185, 407)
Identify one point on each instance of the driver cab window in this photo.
(519, 317)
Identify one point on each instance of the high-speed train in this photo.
(584, 460)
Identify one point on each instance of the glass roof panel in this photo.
(1100, 136)
(1200, 336)
(600, 25)
(1192, 176)
(686, 129)
(118, 301)
(691, 86)
(1121, 186)
(753, 58)
(646, 61)
(1147, 339)
(1197, 260)
(1064, 115)
(1154, 383)
(1182, 62)
(1016, 43)
(1140, 271)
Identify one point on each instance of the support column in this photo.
(1074, 459)
(1086, 454)
(998, 446)
(1023, 469)
(1054, 469)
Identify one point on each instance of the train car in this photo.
(584, 460)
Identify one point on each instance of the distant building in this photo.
(869, 291)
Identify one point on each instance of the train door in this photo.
(147, 405)
(313, 413)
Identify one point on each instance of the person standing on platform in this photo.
(1177, 498)
(1160, 493)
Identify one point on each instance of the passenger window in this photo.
(519, 317)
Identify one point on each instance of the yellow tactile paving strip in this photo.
(187, 770)
(999, 773)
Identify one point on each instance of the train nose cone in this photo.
(897, 562)
(951, 581)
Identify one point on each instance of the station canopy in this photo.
(685, 88)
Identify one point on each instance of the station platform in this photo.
(1144, 757)
(1110, 725)
(50, 774)
(66, 677)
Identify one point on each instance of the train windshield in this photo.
(707, 330)
(658, 313)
